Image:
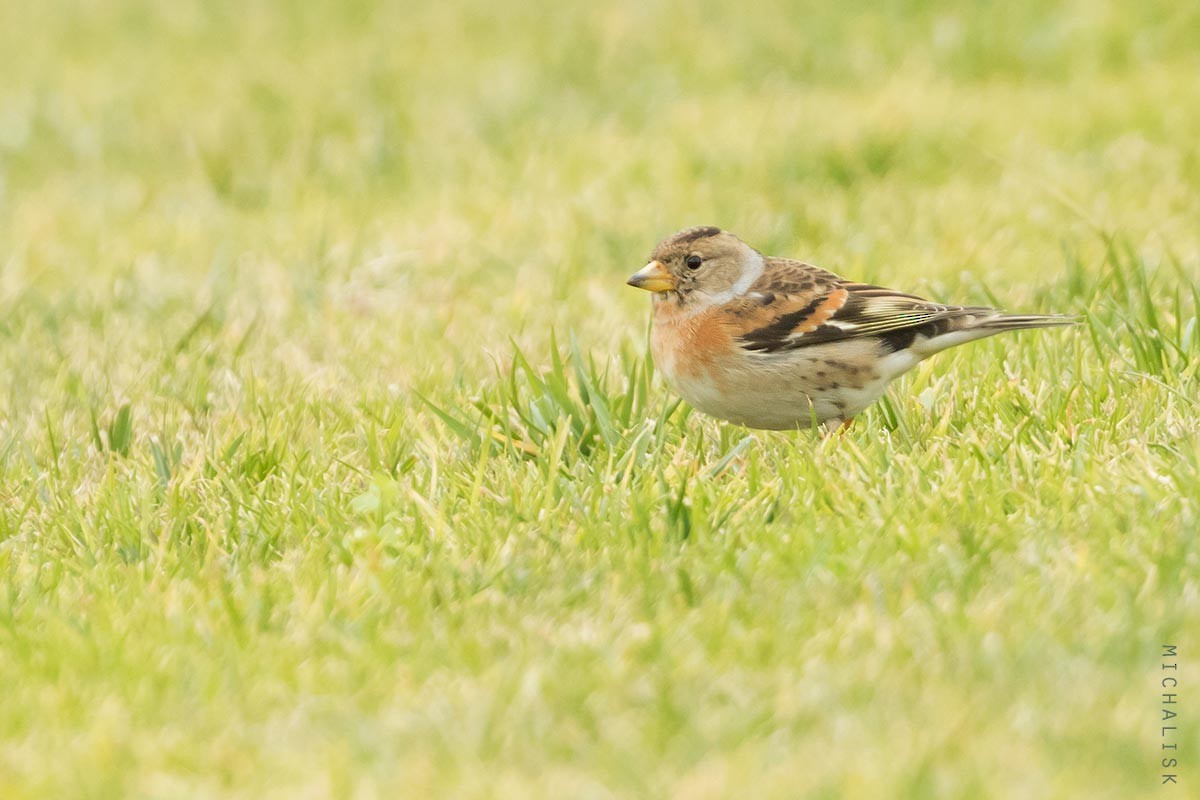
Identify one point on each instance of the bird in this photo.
(778, 344)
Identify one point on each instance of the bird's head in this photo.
(699, 266)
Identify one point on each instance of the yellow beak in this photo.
(653, 278)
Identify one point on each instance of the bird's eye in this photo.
(693, 262)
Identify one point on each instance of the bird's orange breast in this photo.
(689, 345)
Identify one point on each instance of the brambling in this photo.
(774, 343)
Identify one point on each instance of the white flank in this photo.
(927, 347)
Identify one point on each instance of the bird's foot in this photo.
(835, 426)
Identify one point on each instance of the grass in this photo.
(332, 463)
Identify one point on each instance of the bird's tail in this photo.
(979, 323)
(1015, 322)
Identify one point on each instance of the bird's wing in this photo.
(796, 305)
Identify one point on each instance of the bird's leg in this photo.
(839, 426)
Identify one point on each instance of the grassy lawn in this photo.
(332, 463)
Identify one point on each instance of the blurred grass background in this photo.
(241, 557)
